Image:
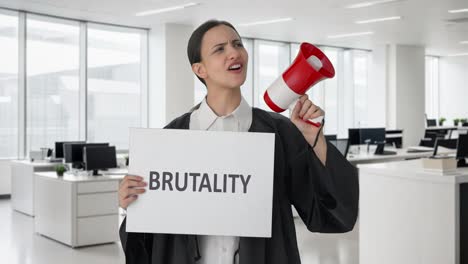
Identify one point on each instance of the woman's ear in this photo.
(199, 70)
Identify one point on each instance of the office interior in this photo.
(87, 71)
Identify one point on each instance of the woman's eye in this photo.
(240, 44)
(219, 49)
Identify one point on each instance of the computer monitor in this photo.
(447, 143)
(462, 150)
(359, 136)
(73, 152)
(99, 158)
(373, 135)
(354, 136)
(59, 147)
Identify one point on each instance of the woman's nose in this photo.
(233, 53)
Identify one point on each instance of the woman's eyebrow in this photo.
(219, 44)
(224, 43)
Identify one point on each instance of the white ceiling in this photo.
(424, 21)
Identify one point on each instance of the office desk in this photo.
(22, 183)
(363, 157)
(410, 215)
(77, 210)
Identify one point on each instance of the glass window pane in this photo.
(114, 83)
(271, 60)
(8, 86)
(329, 89)
(52, 81)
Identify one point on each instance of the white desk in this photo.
(409, 215)
(22, 183)
(77, 210)
(364, 157)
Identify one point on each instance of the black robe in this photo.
(326, 198)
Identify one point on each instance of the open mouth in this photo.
(235, 67)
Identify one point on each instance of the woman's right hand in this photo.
(129, 189)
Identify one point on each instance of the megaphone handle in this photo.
(317, 122)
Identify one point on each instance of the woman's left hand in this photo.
(304, 110)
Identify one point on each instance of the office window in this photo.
(246, 89)
(270, 59)
(114, 95)
(8, 85)
(52, 89)
(432, 87)
(327, 91)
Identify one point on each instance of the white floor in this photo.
(19, 244)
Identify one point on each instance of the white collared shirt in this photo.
(220, 249)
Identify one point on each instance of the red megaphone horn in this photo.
(310, 67)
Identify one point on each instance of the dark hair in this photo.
(195, 41)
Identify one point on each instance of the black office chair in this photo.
(465, 124)
(396, 142)
(342, 144)
(430, 139)
(330, 137)
(431, 122)
(447, 143)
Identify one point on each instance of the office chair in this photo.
(430, 139)
(447, 143)
(342, 144)
(431, 122)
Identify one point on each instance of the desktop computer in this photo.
(99, 158)
(369, 136)
(59, 147)
(73, 152)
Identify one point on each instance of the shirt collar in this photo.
(243, 114)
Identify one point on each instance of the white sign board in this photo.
(202, 182)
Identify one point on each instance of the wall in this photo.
(405, 92)
(171, 79)
(376, 91)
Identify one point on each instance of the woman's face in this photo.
(223, 58)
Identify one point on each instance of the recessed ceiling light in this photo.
(458, 54)
(378, 20)
(351, 35)
(371, 3)
(464, 42)
(458, 10)
(163, 10)
(266, 22)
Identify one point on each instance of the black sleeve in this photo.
(326, 197)
(136, 246)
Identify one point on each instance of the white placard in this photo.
(202, 182)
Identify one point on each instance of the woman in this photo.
(309, 173)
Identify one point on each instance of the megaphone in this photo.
(310, 67)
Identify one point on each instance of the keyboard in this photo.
(386, 152)
(416, 149)
(115, 172)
